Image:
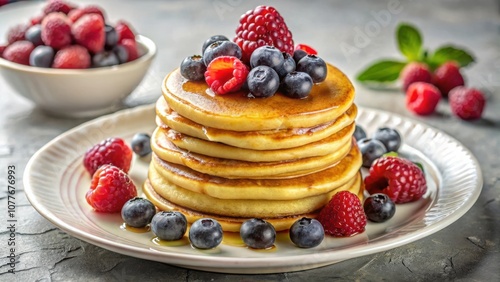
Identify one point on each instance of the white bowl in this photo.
(80, 93)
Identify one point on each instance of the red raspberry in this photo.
(88, 31)
(56, 30)
(398, 178)
(415, 72)
(448, 76)
(19, 52)
(422, 98)
(306, 48)
(110, 189)
(2, 48)
(467, 103)
(16, 33)
(343, 216)
(262, 26)
(109, 151)
(131, 47)
(72, 57)
(124, 31)
(226, 74)
(58, 6)
(75, 14)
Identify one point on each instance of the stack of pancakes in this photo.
(233, 157)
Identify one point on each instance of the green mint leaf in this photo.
(420, 166)
(409, 41)
(381, 71)
(391, 154)
(450, 53)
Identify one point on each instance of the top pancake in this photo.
(236, 111)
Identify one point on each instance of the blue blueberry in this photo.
(205, 233)
(299, 54)
(379, 207)
(105, 59)
(307, 233)
(138, 212)
(267, 56)
(141, 144)
(221, 48)
(34, 35)
(169, 225)
(389, 137)
(111, 37)
(42, 56)
(359, 133)
(193, 68)
(297, 84)
(263, 81)
(211, 40)
(121, 53)
(287, 67)
(314, 66)
(371, 149)
(257, 233)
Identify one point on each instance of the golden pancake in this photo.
(241, 207)
(236, 111)
(263, 189)
(218, 150)
(229, 224)
(255, 140)
(227, 168)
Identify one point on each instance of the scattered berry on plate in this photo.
(226, 74)
(287, 67)
(109, 151)
(138, 212)
(371, 149)
(467, 103)
(131, 47)
(124, 31)
(297, 84)
(56, 30)
(89, 32)
(17, 33)
(390, 137)
(415, 72)
(314, 66)
(448, 76)
(379, 207)
(110, 189)
(211, 40)
(343, 216)
(221, 48)
(193, 68)
(263, 26)
(19, 52)
(205, 233)
(34, 35)
(263, 81)
(304, 47)
(398, 178)
(422, 98)
(359, 132)
(267, 56)
(141, 144)
(169, 225)
(72, 57)
(42, 56)
(307, 233)
(257, 233)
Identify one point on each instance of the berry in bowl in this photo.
(71, 62)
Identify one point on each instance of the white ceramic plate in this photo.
(55, 183)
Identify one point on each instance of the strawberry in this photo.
(131, 47)
(400, 179)
(88, 31)
(110, 189)
(263, 26)
(124, 31)
(109, 151)
(308, 49)
(226, 74)
(467, 103)
(37, 19)
(448, 76)
(415, 72)
(72, 57)
(58, 6)
(343, 216)
(16, 33)
(422, 98)
(19, 52)
(75, 14)
(56, 30)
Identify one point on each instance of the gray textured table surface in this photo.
(467, 250)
